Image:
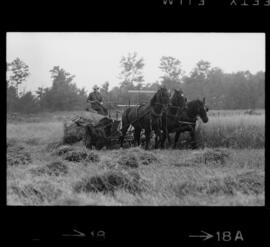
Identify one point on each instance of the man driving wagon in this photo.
(95, 99)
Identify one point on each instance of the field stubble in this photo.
(41, 171)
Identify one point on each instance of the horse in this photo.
(186, 120)
(146, 117)
(177, 104)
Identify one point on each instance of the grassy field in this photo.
(42, 171)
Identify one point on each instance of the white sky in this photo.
(95, 57)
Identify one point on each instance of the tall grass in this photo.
(222, 130)
(35, 132)
(236, 131)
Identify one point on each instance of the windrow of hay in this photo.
(128, 160)
(41, 192)
(52, 146)
(136, 156)
(16, 155)
(111, 181)
(251, 182)
(11, 142)
(207, 156)
(228, 185)
(211, 156)
(56, 168)
(63, 149)
(76, 154)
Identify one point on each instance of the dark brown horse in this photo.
(186, 120)
(176, 106)
(147, 117)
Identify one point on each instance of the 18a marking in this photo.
(226, 236)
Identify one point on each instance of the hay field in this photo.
(42, 171)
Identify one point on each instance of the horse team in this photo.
(162, 115)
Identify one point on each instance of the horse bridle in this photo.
(193, 118)
(164, 106)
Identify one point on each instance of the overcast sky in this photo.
(95, 57)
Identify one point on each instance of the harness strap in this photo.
(147, 112)
(184, 122)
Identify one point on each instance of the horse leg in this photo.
(177, 134)
(157, 138)
(163, 139)
(169, 139)
(147, 138)
(193, 139)
(137, 136)
(122, 137)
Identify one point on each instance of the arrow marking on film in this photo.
(206, 236)
(78, 234)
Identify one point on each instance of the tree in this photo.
(40, 92)
(201, 70)
(171, 67)
(19, 73)
(12, 98)
(28, 103)
(105, 89)
(131, 73)
(60, 77)
(63, 95)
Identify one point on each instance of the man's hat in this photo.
(95, 87)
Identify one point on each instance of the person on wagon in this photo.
(96, 101)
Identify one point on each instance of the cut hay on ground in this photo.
(56, 168)
(16, 155)
(41, 192)
(76, 154)
(111, 181)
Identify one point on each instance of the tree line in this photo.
(239, 90)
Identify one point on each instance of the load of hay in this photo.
(74, 129)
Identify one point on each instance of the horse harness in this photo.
(153, 113)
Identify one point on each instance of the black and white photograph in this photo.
(135, 118)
